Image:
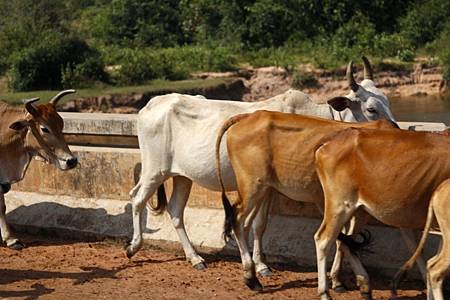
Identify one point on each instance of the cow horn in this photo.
(368, 72)
(351, 80)
(61, 94)
(30, 107)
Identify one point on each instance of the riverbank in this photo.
(254, 84)
(395, 81)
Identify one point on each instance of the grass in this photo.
(153, 86)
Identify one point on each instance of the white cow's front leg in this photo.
(140, 194)
(7, 238)
(181, 189)
(259, 226)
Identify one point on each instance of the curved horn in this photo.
(368, 72)
(61, 94)
(351, 80)
(30, 107)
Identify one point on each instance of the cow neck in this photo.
(337, 116)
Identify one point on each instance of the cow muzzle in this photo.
(68, 164)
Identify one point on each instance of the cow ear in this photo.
(19, 125)
(339, 103)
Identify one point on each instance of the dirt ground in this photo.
(61, 269)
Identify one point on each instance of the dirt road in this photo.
(61, 269)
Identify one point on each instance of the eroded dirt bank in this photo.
(262, 83)
(64, 269)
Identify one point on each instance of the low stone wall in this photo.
(93, 199)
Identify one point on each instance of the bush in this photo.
(302, 80)
(354, 38)
(84, 74)
(42, 67)
(138, 66)
(425, 21)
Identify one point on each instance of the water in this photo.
(422, 108)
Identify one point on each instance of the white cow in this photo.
(177, 135)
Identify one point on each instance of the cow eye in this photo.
(45, 129)
(371, 110)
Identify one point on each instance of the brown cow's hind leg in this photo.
(259, 226)
(333, 222)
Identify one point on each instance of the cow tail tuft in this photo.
(230, 217)
(355, 245)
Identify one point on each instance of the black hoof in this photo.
(17, 246)
(253, 284)
(130, 252)
(200, 266)
(266, 272)
(340, 289)
(127, 244)
(366, 296)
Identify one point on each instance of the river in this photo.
(422, 108)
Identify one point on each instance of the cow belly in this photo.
(310, 193)
(399, 216)
(204, 174)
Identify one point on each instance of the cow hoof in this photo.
(200, 266)
(253, 284)
(340, 289)
(324, 296)
(366, 296)
(130, 252)
(266, 272)
(17, 246)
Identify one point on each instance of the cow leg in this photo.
(336, 283)
(259, 226)
(140, 194)
(181, 189)
(362, 278)
(241, 232)
(7, 238)
(410, 240)
(333, 222)
(439, 265)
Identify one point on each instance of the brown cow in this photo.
(272, 152)
(31, 132)
(439, 265)
(391, 174)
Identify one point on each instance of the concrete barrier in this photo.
(92, 199)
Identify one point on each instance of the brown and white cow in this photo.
(34, 131)
(390, 174)
(272, 152)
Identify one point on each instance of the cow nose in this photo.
(71, 163)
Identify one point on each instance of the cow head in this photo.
(42, 127)
(365, 102)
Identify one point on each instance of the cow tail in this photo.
(354, 245)
(230, 211)
(408, 265)
(161, 201)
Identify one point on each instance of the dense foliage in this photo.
(53, 43)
